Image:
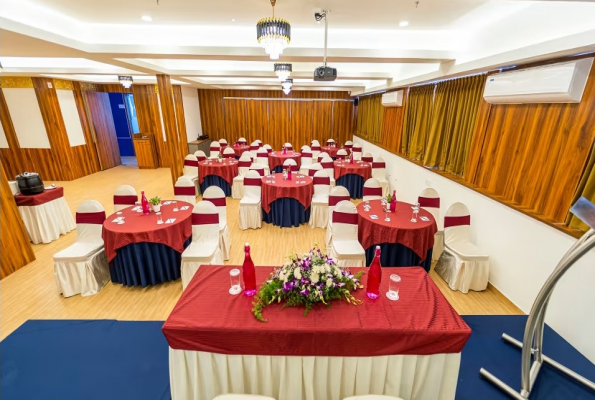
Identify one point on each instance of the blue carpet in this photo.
(117, 360)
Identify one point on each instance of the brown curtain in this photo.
(417, 120)
(586, 189)
(369, 118)
(453, 120)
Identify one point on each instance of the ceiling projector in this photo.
(325, 74)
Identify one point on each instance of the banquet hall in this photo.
(297, 200)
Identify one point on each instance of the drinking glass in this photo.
(386, 212)
(414, 215)
(236, 287)
(159, 219)
(120, 220)
(175, 203)
(393, 287)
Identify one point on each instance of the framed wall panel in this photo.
(26, 117)
(72, 121)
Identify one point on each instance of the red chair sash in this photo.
(292, 167)
(223, 145)
(260, 171)
(328, 143)
(244, 164)
(322, 180)
(306, 155)
(229, 155)
(260, 144)
(327, 165)
(457, 221)
(290, 148)
(269, 151)
(372, 191)
(319, 158)
(311, 171)
(215, 148)
(96, 218)
(252, 182)
(184, 191)
(125, 199)
(333, 200)
(205, 219)
(349, 146)
(254, 148)
(344, 218)
(356, 149)
(242, 141)
(201, 158)
(315, 148)
(368, 159)
(340, 156)
(378, 165)
(191, 163)
(219, 202)
(433, 202)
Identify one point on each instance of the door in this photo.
(121, 123)
(106, 141)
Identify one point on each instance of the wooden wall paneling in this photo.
(149, 120)
(15, 248)
(257, 121)
(342, 121)
(113, 88)
(235, 120)
(104, 128)
(170, 125)
(279, 129)
(181, 120)
(89, 157)
(211, 112)
(300, 124)
(11, 157)
(322, 119)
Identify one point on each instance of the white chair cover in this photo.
(228, 152)
(259, 142)
(254, 147)
(429, 200)
(223, 143)
(379, 173)
(329, 167)
(204, 248)
(336, 195)
(191, 166)
(319, 207)
(46, 222)
(182, 191)
(368, 157)
(290, 163)
(200, 155)
(313, 169)
(345, 247)
(462, 264)
(268, 148)
(237, 189)
(262, 158)
(215, 149)
(124, 196)
(341, 154)
(321, 156)
(372, 190)
(215, 195)
(82, 267)
(357, 151)
(242, 140)
(288, 146)
(258, 168)
(250, 208)
(330, 142)
(315, 147)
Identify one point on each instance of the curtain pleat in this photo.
(369, 118)
(586, 189)
(417, 119)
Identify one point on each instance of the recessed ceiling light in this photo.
(233, 20)
(146, 18)
(403, 23)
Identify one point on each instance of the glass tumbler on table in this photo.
(236, 287)
(159, 219)
(175, 204)
(393, 287)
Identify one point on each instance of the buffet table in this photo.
(409, 348)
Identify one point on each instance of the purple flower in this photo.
(305, 292)
(288, 286)
(341, 284)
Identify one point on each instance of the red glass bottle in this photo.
(393, 202)
(374, 276)
(144, 203)
(249, 275)
(289, 172)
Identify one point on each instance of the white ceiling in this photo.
(197, 43)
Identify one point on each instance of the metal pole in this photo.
(325, 34)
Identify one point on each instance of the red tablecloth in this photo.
(139, 228)
(207, 318)
(277, 158)
(38, 199)
(226, 169)
(363, 169)
(418, 236)
(302, 192)
(332, 151)
(240, 149)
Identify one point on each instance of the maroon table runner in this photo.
(331, 151)
(226, 169)
(302, 192)
(418, 236)
(277, 158)
(363, 169)
(240, 149)
(422, 322)
(39, 199)
(139, 228)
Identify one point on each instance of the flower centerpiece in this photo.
(220, 157)
(389, 198)
(307, 280)
(155, 203)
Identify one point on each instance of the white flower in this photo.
(297, 273)
(329, 282)
(314, 277)
(337, 270)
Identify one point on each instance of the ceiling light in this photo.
(403, 23)
(283, 70)
(287, 90)
(233, 20)
(287, 84)
(146, 18)
(125, 80)
(273, 34)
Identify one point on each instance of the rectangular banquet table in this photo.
(409, 348)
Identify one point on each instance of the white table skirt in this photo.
(46, 222)
(202, 375)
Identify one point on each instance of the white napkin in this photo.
(117, 219)
(170, 221)
(184, 208)
(166, 203)
(424, 218)
(136, 208)
(374, 216)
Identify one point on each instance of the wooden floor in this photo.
(30, 293)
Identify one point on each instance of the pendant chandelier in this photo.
(282, 70)
(273, 34)
(287, 85)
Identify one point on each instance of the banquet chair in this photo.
(259, 142)
(288, 146)
(314, 168)
(242, 140)
(371, 397)
(268, 148)
(330, 142)
(228, 152)
(259, 168)
(237, 188)
(262, 157)
(345, 247)
(329, 166)
(349, 145)
(215, 195)
(368, 157)
(191, 168)
(215, 150)
(254, 146)
(204, 248)
(234, 396)
(357, 151)
(341, 154)
(124, 196)
(184, 190)
(223, 143)
(321, 156)
(82, 267)
(315, 147)
(290, 163)
(250, 208)
(305, 159)
(337, 194)
(379, 173)
(200, 155)
(319, 207)
(462, 264)
(429, 200)
(372, 190)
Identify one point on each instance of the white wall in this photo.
(523, 251)
(3, 141)
(191, 112)
(71, 118)
(26, 118)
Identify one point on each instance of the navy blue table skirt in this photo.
(278, 169)
(215, 180)
(146, 264)
(286, 212)
(354, 184)
(398, 255)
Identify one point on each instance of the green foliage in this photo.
(155, 200)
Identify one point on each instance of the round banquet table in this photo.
(277, 158)
(353, 176)
(141, 252)
(403, 243)
(240, 149)
(286, 203)
(217, 173)
(331, 151)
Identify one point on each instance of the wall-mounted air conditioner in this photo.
(554, 83)
(393, 99)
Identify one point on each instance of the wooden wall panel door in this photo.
(105, 130)
(322, 115)
(181, 120)
(90, 155)
(279, 130)
(211, 113)
(171, 126)
(342, 122)
(300, 127)
(149, 119)
(235, 119)
(257, 121)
